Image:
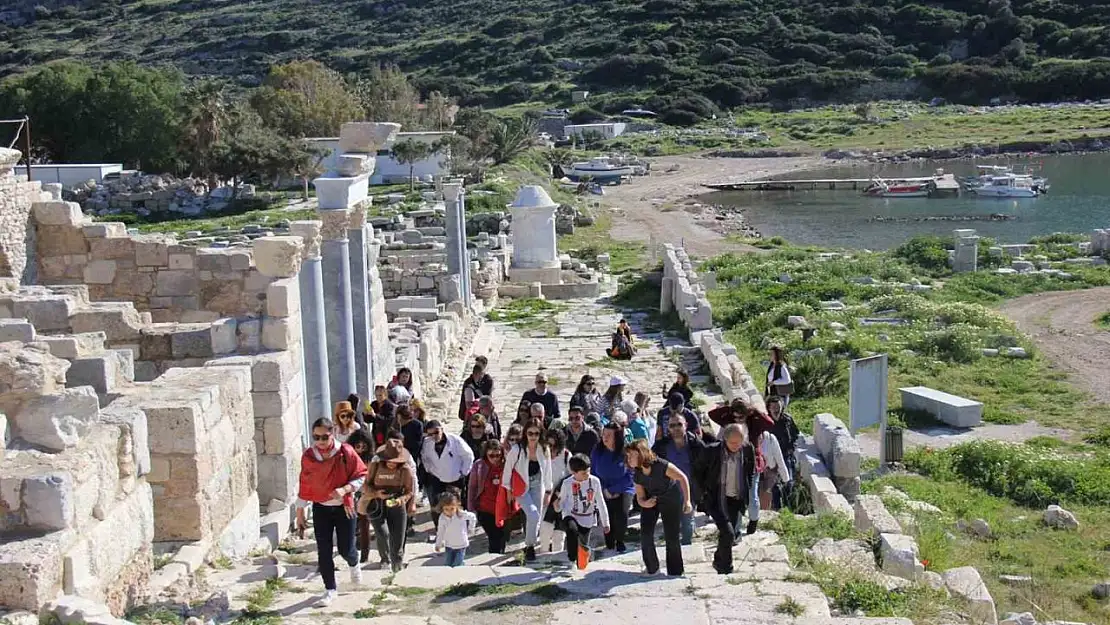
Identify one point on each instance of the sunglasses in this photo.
(478, 428)
(533, 435)
(432, 433)
(676, 426)
(321, 437)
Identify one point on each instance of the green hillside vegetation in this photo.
(685, 59)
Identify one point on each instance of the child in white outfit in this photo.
(582, 506)
(454, 530)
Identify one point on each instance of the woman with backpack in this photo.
(779, 383)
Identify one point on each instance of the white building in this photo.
(71, 175)
(607, 130)
(387, 170)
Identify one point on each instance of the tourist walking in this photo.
(410, 428)
(580, 504)
(538, 412)
(779, 382)
(640, 424)
(454, 528)
(486, 497)
(663, 492)
(586, 395)
(681, 386)
(725, 472)
(403, 379)
(683, 450)
(775, 474)
(475, 434)
(611, 400)
(676, 405)
(755, 424)
(331, 472)
(581, 438)
(386, 499)
(363, 445)
(382, 409)
(480, 385)
(489, 412)
(527, 474)
(551, 528)
(544, 396)
(608, 464)
(513, 436)
(446, 460)
(786, 431)
(346, 421)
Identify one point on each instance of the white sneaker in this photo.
(356, 575)
(326, 600)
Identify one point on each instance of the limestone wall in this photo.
(17, 238)
(683, 291)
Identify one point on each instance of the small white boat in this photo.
(1006, 186)
(986, 173)
(600, 169)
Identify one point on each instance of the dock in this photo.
(943, 185)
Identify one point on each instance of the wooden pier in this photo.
(945, 184)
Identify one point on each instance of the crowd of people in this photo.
(568, 484)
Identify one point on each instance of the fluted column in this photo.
(313, 323)
(338, 307)
(457, 262)
(359, 236)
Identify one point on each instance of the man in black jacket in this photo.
(682, 449)
(543, 396)
(786, 432)
(581, 438)
(724, 472)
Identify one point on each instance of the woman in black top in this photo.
(586, 395)
(663, 491)
(681, 386)
(479, 382)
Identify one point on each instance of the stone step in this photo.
(119, 321)
(106, 372)
(70, 346)
(16, 330)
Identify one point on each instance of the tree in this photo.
(305, 99)
(252, 150)
(206, 117)
(410, 152)
(387, 96)
(509, 138)
(438, 112)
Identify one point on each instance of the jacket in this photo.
(589, 402)
(707, 472)
(454, 532)
(517, 460)
(559, 468)
(586, 441)
(477, 482)
(320, 475)
(696, 448)
(772, 454)
(583, 502)
(549, 401)
(787, 432)
(610, 468)
(450, 466)
(482, 388)
(692, 423)
(685, 391)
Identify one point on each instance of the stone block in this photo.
(176, 283)
(278, 257)
(181, 261)
(239, 260)
(16, 330)
(951, 409)
(100, 272)
(900, 556)
(365, 137)
(270, 372)
(112, 249)
(176, 426)
(48, 313)
(248, 334)
(152, 252)
(57, 213)
(105, 229)
(964, 582)
(825, 502)
(241, 533)
(48, 501)
(871, 516)
(75, 346)
(119, 321)
(224, 337)
(191, 341)
(837, 446)
(101, 372)
(283, 298)
(134, 423)
(30, 572)
(56, 422)
(280, 333)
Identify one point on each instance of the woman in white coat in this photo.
(776, 471)
(527, 475)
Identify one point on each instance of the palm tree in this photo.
(510, 137)
(409, 152)
(207, 116)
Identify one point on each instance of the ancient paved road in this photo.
(1062, 324)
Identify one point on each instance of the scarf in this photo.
(319, 478)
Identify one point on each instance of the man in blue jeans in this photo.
(682, 449)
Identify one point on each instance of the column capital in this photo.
(357, 219)
(334, 224)
(309, 231)
(452, 191)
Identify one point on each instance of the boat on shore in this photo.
(599, 169)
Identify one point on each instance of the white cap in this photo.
(617, 381)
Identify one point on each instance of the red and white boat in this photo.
(882, 188)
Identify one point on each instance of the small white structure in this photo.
(535, 254)
(608, 130)
(578, 97)
(387, 170)
(71, 175)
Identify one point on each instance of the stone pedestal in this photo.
(336, 192)
(535, 252)
(338, 307)
(359, 236)
(313, 323)
(966, 255)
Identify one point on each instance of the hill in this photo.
(684, 55)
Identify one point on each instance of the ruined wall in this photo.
(17, 239)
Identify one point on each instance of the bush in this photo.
(956, 343)
(927, 252)
(818, 375)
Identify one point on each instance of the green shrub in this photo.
(956, 343)
(817, 375)
(927, 252)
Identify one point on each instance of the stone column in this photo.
(313, 323)
(456, 238)
(338, 308)
(359, 236)
(966, 256)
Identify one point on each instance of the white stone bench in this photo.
(951, 409)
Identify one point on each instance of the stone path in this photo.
(498, 589)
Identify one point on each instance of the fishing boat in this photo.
(1006, 186)
(885, 188)
(986, 174)
(599, 169)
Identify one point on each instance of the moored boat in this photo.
(600, 169)
(1006, 186)
(883, 188)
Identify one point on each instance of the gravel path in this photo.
(1062, 324)
(650, 209)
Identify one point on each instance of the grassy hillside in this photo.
(703, 54)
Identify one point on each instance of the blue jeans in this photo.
(753, 500)
(531, 502)
(686, 528)
(455, 557)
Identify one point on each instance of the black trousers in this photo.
(726, 520)
(389, 530)
(576, 535)
(436, 487)
(618, 508)
(332, 528)
(671, 514)
(495, 535)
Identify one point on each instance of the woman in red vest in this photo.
(331, 472)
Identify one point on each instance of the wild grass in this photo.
(1103, 320)
(587, 242)
(261, 597)
(533, 315)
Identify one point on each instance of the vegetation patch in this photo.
(155, 615)
(261, 597)
(587, 242)
(799, 533)
(1103, 320)
(790, 607)
(933, 324)
(529, 315)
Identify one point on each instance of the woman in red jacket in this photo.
(331, 472)
(486, 496)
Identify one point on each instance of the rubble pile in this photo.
(144, 194)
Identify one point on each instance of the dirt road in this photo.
(1063, 326)
(655, 208)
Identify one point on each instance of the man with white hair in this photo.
(725, 470)
(544, 396)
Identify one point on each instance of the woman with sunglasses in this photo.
(484, 491)
(475, 434)
(608, 464)
(331, 473)
(386, 498)
(527, 473)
